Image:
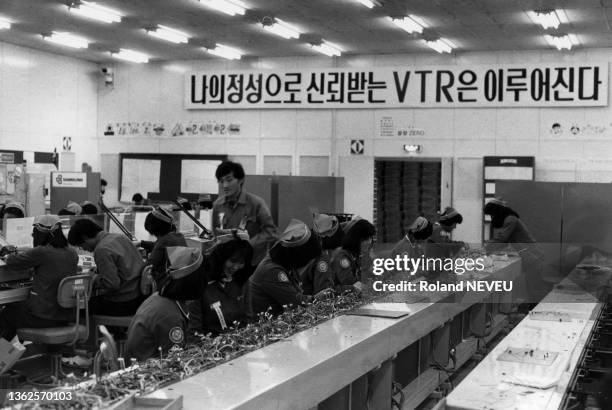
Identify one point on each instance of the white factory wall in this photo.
(44, 97)
(154, 93)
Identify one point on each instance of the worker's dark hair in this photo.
(334, 241)
(457, 219)
(236, 249)
(64, 211)
(498, 213)
(82, 230)
(424, 233)
(89, 209)
(156, 226)
(137, 197)
(297, 256)
(55, 238)
(103, 182)
(360, 231)
(11, 210)
(229, 167)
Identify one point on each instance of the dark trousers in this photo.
(16, 315)
(100, 306)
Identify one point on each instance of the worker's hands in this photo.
(7, 250)
(327, 293)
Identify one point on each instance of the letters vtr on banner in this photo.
(508, 85)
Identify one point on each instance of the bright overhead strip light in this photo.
(5, 24)
(369, 3)
(280, 28)
(131, 56)
(441, 45)
(226, 52)
(562, 42)
(548, 18)
(169, 34)
(411, 24)
(231, 7)
(67, 39)
(327, 48)
(96, 12)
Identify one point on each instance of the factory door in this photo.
(403, 190)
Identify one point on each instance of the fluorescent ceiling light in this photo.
(327, 48)
(411, 24)
(441, 45)
(96, 12)
(369, 3)
(226, 52)
(565, 41)
(4, 23)
(131, 55)
(548, 18)
(231, 7)
(169, 34)
(67, 39)
(280, 28)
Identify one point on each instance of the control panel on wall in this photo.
(503, 168)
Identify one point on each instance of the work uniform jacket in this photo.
(346, 270)
(251, 213)
(447, 246)
(119, 266)
(272, 286)
(50, 265)
(158, 322)
(221, 306)
(317, 275)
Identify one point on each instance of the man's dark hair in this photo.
(82, 230)
(157, 227)
(64, 212)
(361, 231)
(498, 213)
(229, 167)
(137, 197)
(89, 209)
(103, 182)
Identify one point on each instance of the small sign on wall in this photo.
(69, 179)
(357, 147)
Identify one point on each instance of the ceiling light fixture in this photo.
(95, 11)
(226, 52)
(280, 28)
(548, 18)
(441, 45)
(5, 24)
(327, 48)
(231, 7)
(131, 56)
(67, 39)
(411, 24)
(563, 41)
(369, 3)
(169, 34)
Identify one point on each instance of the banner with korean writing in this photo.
(508, 85)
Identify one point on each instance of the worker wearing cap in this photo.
(238, 209)
(119, 266)
(275, 283)
(52, 260)
(346, 261)
(162, 319)
(71, 208)
(160, 224)
(222, 305)
(442, 230)
(413, 243)
(318, 274)
(12, 210)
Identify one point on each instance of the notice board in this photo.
(163, 177)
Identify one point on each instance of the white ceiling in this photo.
(474, 25)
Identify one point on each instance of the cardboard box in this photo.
(10, 352)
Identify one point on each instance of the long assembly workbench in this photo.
(352, 361)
